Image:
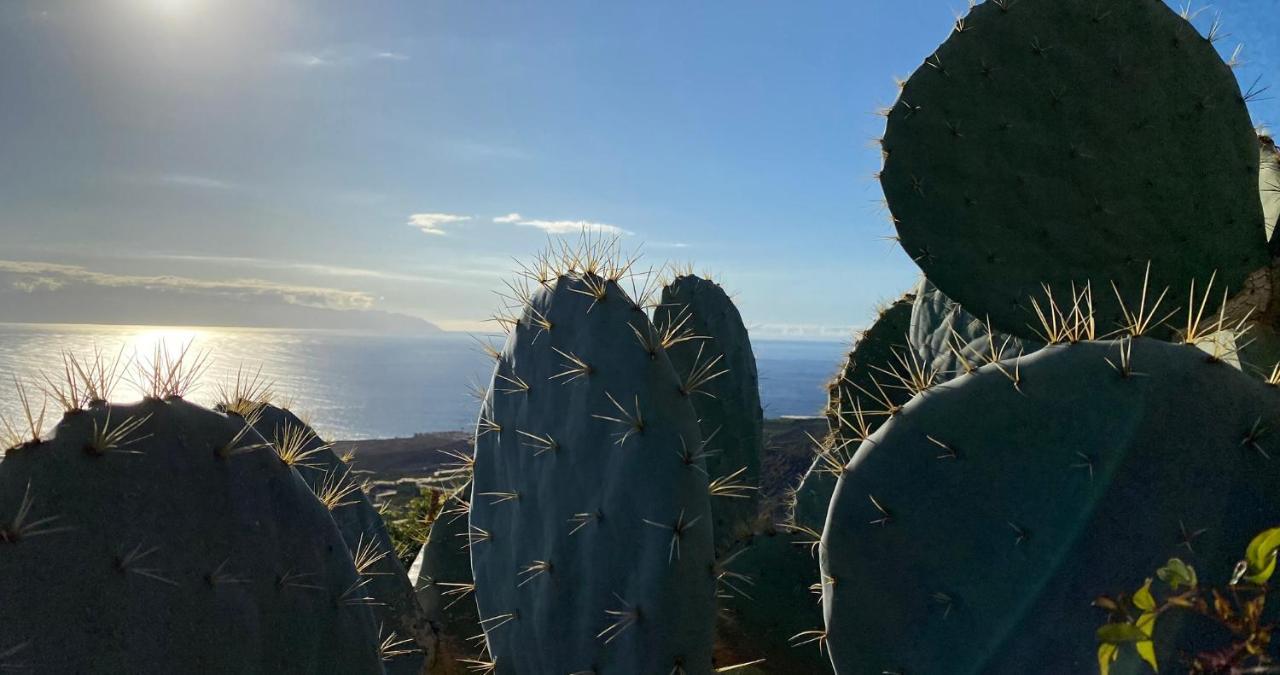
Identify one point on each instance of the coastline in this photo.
(398, 468)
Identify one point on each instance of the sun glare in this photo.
(174, 8)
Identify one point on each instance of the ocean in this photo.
(357, 386)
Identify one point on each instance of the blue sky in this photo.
(278, 152)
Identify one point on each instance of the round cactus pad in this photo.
(1064, 141)
(973, 531)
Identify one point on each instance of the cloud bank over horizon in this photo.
(45, 292)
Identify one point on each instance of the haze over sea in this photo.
(355, 385)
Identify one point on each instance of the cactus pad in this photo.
(396, 609)
(864, 383)
(950, 341)
(1065, 141)
(163, 537)
(975, 528)
(708, 341)
(590, 527)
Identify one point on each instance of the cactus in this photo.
(1068, 143)
(164, 537)
(442, 576)
(769, 610)
(768, 596)
(706, 340)
(863, 384)
(950, 341)
(973, 530)
(590, 525)
(395, 604)
(1269, 186)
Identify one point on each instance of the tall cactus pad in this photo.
(163, 537)
(950, 341)
(396, 606)
(1060, 142)
(591, 541)
(708, 340)
(1269, 185)
(863, 382)
(973, 531)
(442, 575)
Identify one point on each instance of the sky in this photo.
(189, 161)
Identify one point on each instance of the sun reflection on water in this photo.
(352, 385)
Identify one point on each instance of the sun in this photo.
(173, 8)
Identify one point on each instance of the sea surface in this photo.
(352, 385)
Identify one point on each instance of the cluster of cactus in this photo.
(165, 537)
(997, 455)
(986, 449)
(614, 472)
(1058, 169)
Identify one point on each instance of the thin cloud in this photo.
(561, 226)
(305, 60)
(195, 181)
(34, 277)
(445, 275)
(433, 223)
(339, 56)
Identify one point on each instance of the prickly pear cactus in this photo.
(442, 576)
(590, 528)
(769, 608)
(864, 388)
(984, 518)
(396, 606)
(708, 345)
(950, 341)
(164, 537)
(1060, 142)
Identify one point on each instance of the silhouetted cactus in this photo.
(395, 604)
(590, 527)
(1068, 143)
(163, 537)
(865, 388)
(971, 532)
(711, 352)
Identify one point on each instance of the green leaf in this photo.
(1147, 624)
(1177, 574)
(1261, 555)
(1118, 633)
(1143, 599)
(1264, 574)
(1107, 653)
(1147, 650)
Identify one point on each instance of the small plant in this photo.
(410, 524)
(1238, 608)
